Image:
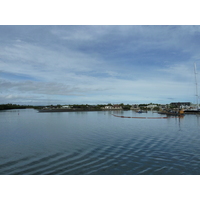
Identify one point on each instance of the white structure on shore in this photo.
(112, 107)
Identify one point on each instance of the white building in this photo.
(152, 106)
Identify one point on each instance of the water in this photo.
(81, 143)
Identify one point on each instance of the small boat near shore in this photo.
(172, 112)
(192, 111)
(141, 111)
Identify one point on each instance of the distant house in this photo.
(66, 107)
(134, 107)
(163, 106)
(108, 107)
(152, 106)
(180, 104)
(112, 107)
(117, 107)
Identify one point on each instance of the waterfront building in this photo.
(112, 107)
(135, 107)
(152, 106)
(180, 104)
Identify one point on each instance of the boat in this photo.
(139, 111)
(179, 112)
(197, 109)
(192, 111)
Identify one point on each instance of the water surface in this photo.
(98, 143)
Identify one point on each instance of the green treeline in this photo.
(15, 106)
(77, 106)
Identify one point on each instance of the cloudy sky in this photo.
(42, 65)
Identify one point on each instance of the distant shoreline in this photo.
(76, 110)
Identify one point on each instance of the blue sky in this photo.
(42, 65)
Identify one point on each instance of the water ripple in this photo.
(96, 143)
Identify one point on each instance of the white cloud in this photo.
(44, 63)
(100, 63)
(179, 71)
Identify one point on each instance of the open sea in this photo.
(98, 143)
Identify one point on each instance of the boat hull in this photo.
(192, 111)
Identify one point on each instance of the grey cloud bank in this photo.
(97, 64)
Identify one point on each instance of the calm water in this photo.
(97, 143)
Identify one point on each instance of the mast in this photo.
(197, 96)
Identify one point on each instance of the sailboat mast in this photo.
(197, 95)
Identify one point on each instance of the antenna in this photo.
(197, 95)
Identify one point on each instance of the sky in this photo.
(98, 64)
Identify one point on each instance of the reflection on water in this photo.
(98, 143)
